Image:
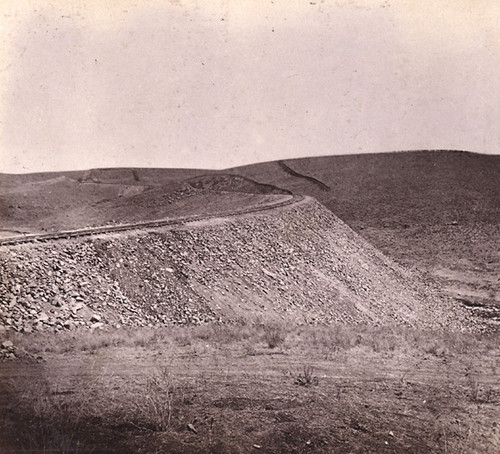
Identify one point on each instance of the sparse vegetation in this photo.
(140, 389)
(274, 335)
(329, 339)
(153, 403)
(214, 385)
(306, 377)
(44, 419)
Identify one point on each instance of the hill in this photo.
(106, 197)
(433, 211)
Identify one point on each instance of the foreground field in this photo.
(253, 387)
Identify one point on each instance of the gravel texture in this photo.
(298, 263)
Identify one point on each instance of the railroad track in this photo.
(65, 234)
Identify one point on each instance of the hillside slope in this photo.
(435, 211)
(299, 263)
(394, 189)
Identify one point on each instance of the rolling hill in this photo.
(433, 211)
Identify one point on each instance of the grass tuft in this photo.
(306, 377)
(154, 400)
(274, 336)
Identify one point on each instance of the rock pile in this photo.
(298, 263)
(7, 350)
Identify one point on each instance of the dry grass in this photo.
(50, 422)
(153, 404)
(140, 390)
(329, 339)
(306, 377)
(273, 335)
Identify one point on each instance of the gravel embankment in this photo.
(299, 263)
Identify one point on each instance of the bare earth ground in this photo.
(254, 388)
(466, 261)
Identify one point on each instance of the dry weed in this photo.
(153, 401)
(306, 377)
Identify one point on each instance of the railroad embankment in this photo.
(297, 262)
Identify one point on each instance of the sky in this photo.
(216, 84)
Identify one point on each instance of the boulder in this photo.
(43, 317)
(7, 344)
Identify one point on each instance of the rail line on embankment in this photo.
(89, 231)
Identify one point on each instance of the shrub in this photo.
(274, 336)
(153, 403)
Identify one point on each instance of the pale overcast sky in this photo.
(215, 84)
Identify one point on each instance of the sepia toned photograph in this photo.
(250, 226)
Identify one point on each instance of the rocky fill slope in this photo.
(299, 263)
